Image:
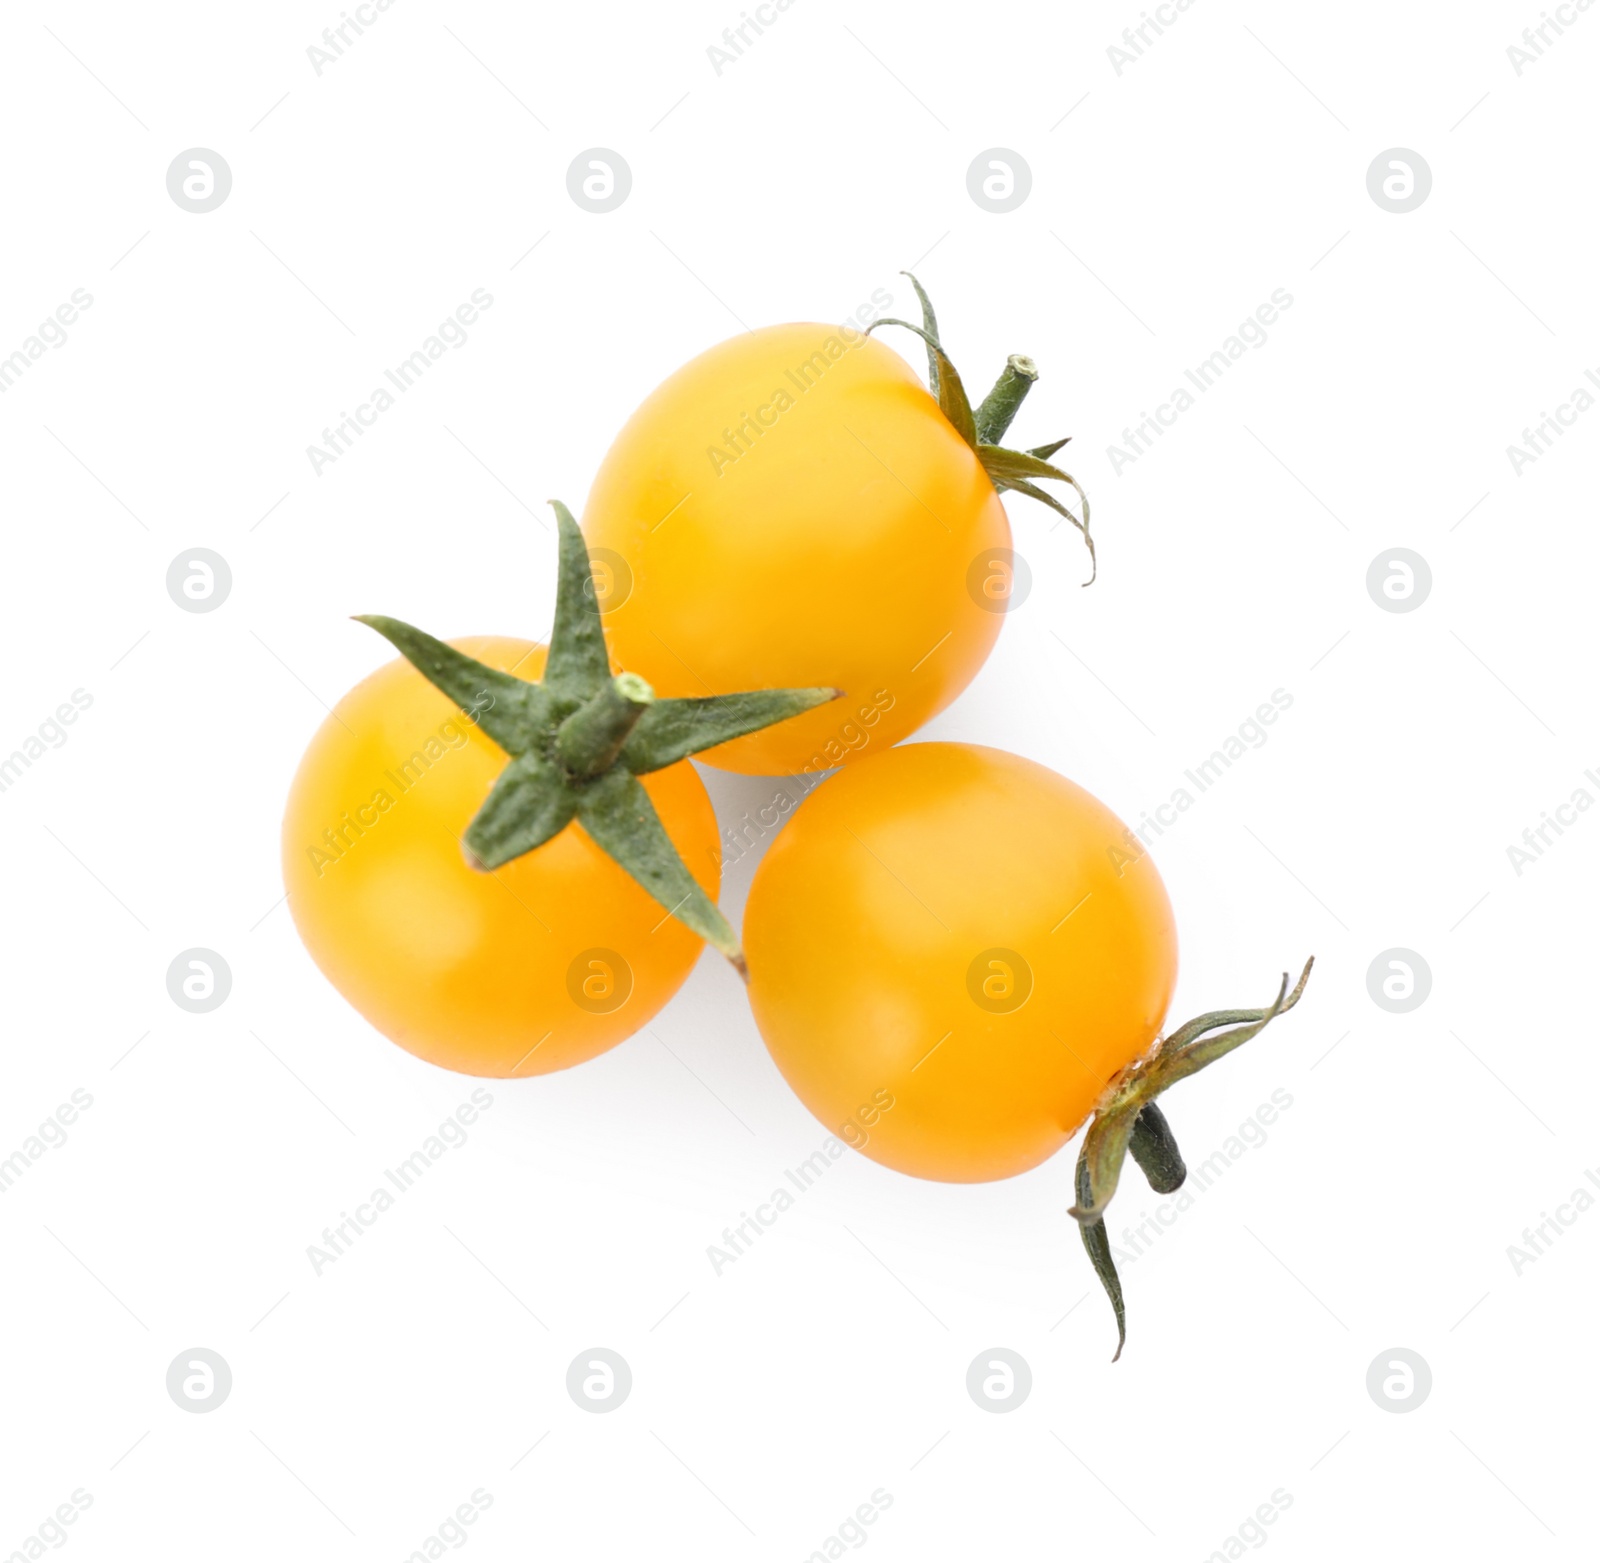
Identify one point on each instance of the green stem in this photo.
(1153, 1146)
(999, 407)
(930, 324)
(1098, 1247)
(580, 738)
(1007, 469)
(592, 737)
(1127, 1120)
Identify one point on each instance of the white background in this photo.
(1167, 203)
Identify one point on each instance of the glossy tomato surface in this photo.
(952, 951)
(791, 509)
(538, 965)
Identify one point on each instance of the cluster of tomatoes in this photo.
(499, 854)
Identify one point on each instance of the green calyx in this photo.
(580, 738)
(1127, 1120)
(1007, 468)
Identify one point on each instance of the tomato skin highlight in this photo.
(891, 931)
(793, 510)
(488, 974)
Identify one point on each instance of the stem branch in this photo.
(999, 407)
(592, 737)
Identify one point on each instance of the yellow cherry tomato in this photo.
(790, 509)
(952, 951)
(541, 964)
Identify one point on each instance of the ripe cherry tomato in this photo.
(952, 952)
(540, 964)
(792, 508)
